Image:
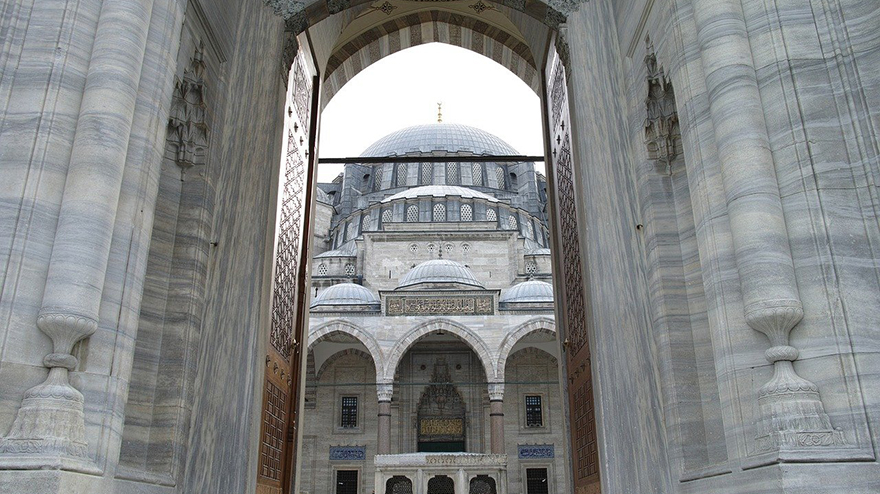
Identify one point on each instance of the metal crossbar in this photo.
(366, 160)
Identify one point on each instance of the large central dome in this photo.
(451, 138)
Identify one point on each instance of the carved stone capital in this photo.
(65, 329)
(774, 318)
(384, 391)
(496, 391)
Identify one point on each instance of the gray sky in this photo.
(403, 89)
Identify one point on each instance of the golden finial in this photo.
(439, 112)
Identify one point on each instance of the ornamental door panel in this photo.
(283, 357)
(571, 308)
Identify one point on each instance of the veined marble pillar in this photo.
(49, 429)
(789, 405)
(496, 418)
(384, 391)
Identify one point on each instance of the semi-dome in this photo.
(439, 271)
(439, 191)
(451, 138)
(532, 291)
(346, 294)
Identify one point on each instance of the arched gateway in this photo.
(709, 190)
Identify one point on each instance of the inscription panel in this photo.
(418, 306)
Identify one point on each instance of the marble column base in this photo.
(804, 446)
(51, 482)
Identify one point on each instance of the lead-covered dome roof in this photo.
(345, 294)
(440, 191)
(440, 271)
(451, 138)
(528, 291)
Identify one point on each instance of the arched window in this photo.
(511, 222)
(401, 175)
(350, 229)
(439, 212)
(499, 175)
(412, 213)
(491, 215)
(365, 222)
(477, 174)
(377, 178)
(530, 231)
(452, 174)
(386, 216)
(427, 173)
(467, 212)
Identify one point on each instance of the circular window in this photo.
(413, 248)
(448, 248)
(465, 248)
(432, 248)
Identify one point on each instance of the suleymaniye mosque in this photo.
(679, 295)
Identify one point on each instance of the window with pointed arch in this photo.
(491, 215)
(467, 212)
(386, 216)
(401, 175)
(412, 213)
(477, 174)
(499, 176)
(511, 222)
(439, 212)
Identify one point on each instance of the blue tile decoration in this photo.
(348, 453)
(536, 451)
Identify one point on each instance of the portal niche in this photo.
(441, 421)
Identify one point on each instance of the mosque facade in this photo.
(431, 330)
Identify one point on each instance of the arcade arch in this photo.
(419, 332)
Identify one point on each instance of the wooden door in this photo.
(284, 347)
(571, 308)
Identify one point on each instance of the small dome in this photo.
(439, 191)
(439, 271)
(531, 291)
(346, 294)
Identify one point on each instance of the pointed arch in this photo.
(340, 354)
(323, 332)
(537, 325)
(471, 338)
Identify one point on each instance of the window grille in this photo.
(477, 174)
(365, 222)
(452, 174)
(346, 482)
(482, 484)
(386, 216)
(427, 173)
(349, 269)
(377, 178)
(413, 248)
(467, 212)
(537, 481)
(349, 416)
(531, 267)
(511, 222)
(412, 213)
(441, 484)
(401, 175)
(534, 411)
(499, 175)
(322, 269)
(398, 485)
(439, 212)
(432, 248)
(491, 215)
(449, 248)
(465, 248)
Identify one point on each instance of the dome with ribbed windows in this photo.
(436, 272)
(443, 137)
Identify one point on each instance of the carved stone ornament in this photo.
(661, 123)
(187, 137)
(441, 410)
(451, 305)
(49, 428)
(792, 416)
(384, 391)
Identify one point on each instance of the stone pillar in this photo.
(496, 417)
(384, 391)
(788, 403)
(49, 429)
(461, 482)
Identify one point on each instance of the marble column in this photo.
(788, 404)
(49, 429)
(496, 417)
(384, 391)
